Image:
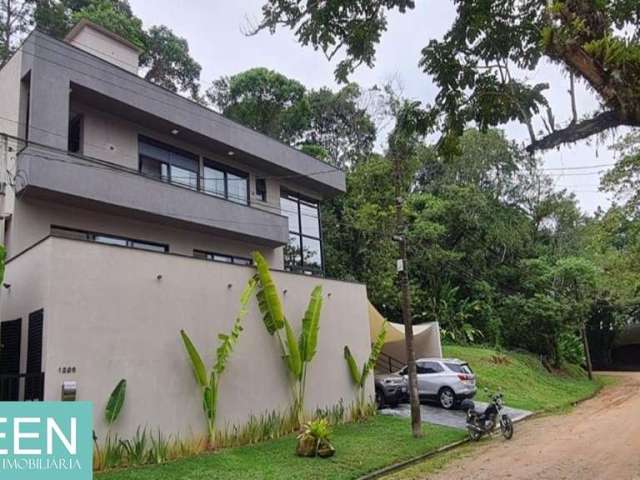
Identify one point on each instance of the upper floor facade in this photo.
(92, 148)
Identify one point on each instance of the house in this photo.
(129, 213)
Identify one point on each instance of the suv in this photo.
(444, 380)
(389, 389)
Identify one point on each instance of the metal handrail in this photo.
(388, 364)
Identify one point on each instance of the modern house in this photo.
(129, 213)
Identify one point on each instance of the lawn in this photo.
(523, 380)
(381, 441)
(360, 448)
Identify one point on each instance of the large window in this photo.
(108, 239)
(225, 182)
(304, 251)
(168, 164)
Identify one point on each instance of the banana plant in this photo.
(358, 376)
(115, 403)
(297, 352)
(210, 381)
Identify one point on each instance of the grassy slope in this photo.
(382, 441)
(360, 447)
(523, 380)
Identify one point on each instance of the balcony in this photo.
(89, 183)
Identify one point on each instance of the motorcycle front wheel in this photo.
(474, 434)
(506, 427)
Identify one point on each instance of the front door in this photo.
(10, 339)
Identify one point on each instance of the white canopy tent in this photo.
(426, 338)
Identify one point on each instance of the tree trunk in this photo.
(414, 398)
(587, 354)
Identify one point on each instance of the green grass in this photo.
(523, 380)
(360, 448)
(382, 441)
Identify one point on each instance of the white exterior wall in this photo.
(108, 315)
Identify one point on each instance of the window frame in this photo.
(298, 199)
(261, 192)
(226, 170)
(209, 256)
(170, 149)
(91, 237)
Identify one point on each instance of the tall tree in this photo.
(624, 178)
(482, 64)
(264, 100)
(169, 63)
(15, 16)
(332, 126)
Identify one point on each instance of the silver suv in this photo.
(444, 380)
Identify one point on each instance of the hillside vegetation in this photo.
(523, 379)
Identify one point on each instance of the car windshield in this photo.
(459, 367)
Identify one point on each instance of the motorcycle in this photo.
(484, 423)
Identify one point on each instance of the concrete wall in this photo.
(105, 47)
(58, 65)
(33, 219)
(108, 315)
(114, 139)
(29, 277)
(10, 76)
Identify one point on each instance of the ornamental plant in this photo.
(297, 352)
(358, 376)
(209, 382)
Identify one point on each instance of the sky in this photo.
(215, 32)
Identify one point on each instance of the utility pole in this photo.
(416, 423)
(587, 354)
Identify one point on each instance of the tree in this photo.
(339, 125)
(329, 125)
(481, 64)
(14, 21)
(264, 100)
(169, 63)
(624, 178)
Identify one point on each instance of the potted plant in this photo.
(314, 439)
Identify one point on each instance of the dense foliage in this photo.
(328, 125)
(482, 64)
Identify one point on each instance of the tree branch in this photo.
(577, 131)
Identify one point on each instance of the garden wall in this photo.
(115, 313)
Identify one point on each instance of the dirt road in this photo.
(599, 439)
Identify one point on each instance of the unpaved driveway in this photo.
(599, 439)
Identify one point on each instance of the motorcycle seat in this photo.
(467, 405)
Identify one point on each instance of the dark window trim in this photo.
(226, 170)
(261, 192)
(298, 198)
(205, 254)
(91, 235)
(166, 146)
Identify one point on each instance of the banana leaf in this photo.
(353, 368)
(376, 348)
(311, 326)
(227, 342)
(294, 360)
(115, 402)
(199, 370)
(269, 301)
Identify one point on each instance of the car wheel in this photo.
(380, 400)
(447, 398)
